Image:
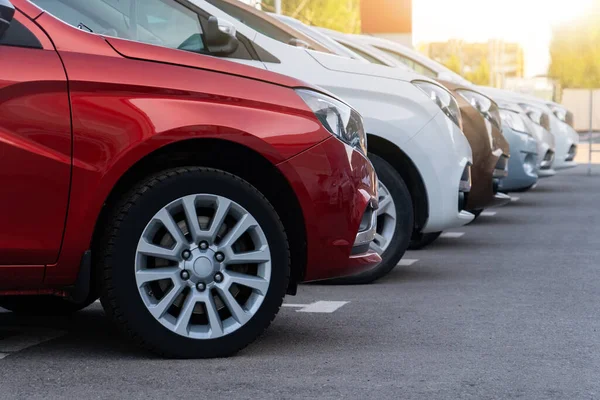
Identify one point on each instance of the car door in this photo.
(35, 146)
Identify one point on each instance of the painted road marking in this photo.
(15, 339)
(452, 235)
(514, 199)
(488, 213)
(406, 262)
(319, 307)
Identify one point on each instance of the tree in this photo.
(575, 51)
(340, 15)
(481, 75)
(453, 63)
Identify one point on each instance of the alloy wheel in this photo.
(386, 220)
(203, 266)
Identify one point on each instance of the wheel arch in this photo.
(398, 159)
(240, 160)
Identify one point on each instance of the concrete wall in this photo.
(578, 102)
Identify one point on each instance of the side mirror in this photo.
(219, 37)
(7, 12)
(299, 43)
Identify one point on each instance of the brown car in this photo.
(490, 149)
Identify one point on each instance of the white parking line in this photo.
(452, 235)
(488, 213)
(319, 307)
(406, 262)
(23, 338)
(513, 199)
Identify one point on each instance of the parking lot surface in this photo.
(506, 307)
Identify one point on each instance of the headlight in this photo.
(514, 121)
(488, 108)
(338, 118)
(559, 112)
(537, 115)
(443, 99)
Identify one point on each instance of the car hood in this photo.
(351, 66)
(140, 51)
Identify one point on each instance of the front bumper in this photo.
(442, 154)
(337, 190)
(523, 163)
(567, 141)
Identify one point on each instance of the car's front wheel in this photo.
(196, 263)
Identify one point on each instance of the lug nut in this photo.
(203, 245)
(201, 287)
(186, 254)
(185, 275)
(219, 257)
(218, 277)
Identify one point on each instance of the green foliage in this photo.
(453, 63)
(340, 15)
(481, 75)
(575, 52)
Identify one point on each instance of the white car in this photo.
(422, 157)
(565, 137)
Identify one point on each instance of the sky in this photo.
(528, 22)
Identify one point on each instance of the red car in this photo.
(189, 193)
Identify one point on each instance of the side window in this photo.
(253, 21)
(364, 55)
(19, 36)
(415, 66)
(160, 22)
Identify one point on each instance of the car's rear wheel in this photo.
(394, 223)
(42, 305)
(424, 240)
(196, 264)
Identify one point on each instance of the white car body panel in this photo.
(392, 108)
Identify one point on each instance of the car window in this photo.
(253, 21)
(364, 55)
(18, 35)
(415, 66)
(161, 22)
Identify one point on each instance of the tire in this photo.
(476, 213)
(425, 240)
(124, 262)
(42, 305)
(401, 201)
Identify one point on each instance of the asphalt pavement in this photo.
(509, 309)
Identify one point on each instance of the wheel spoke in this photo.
(159, 310)
(237, 312)
(252, 257)
(384, 204)
(214, 320)
(253, 282)
(189, 207)
(156, 274)
(169, 223)
(245, 223)
(183, 321)
(379, 244)
(152, 250)
(219, 217)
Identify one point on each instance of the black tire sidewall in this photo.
(404, 223)
(125, 292)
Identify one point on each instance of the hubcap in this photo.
(386, 220)
(203, 266)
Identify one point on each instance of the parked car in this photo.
(480, 123)
(429, 67)
(558, 118)
(421, 156)
(188, 192)
(523, 164)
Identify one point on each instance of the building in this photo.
(505, 60)
(390, 19)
